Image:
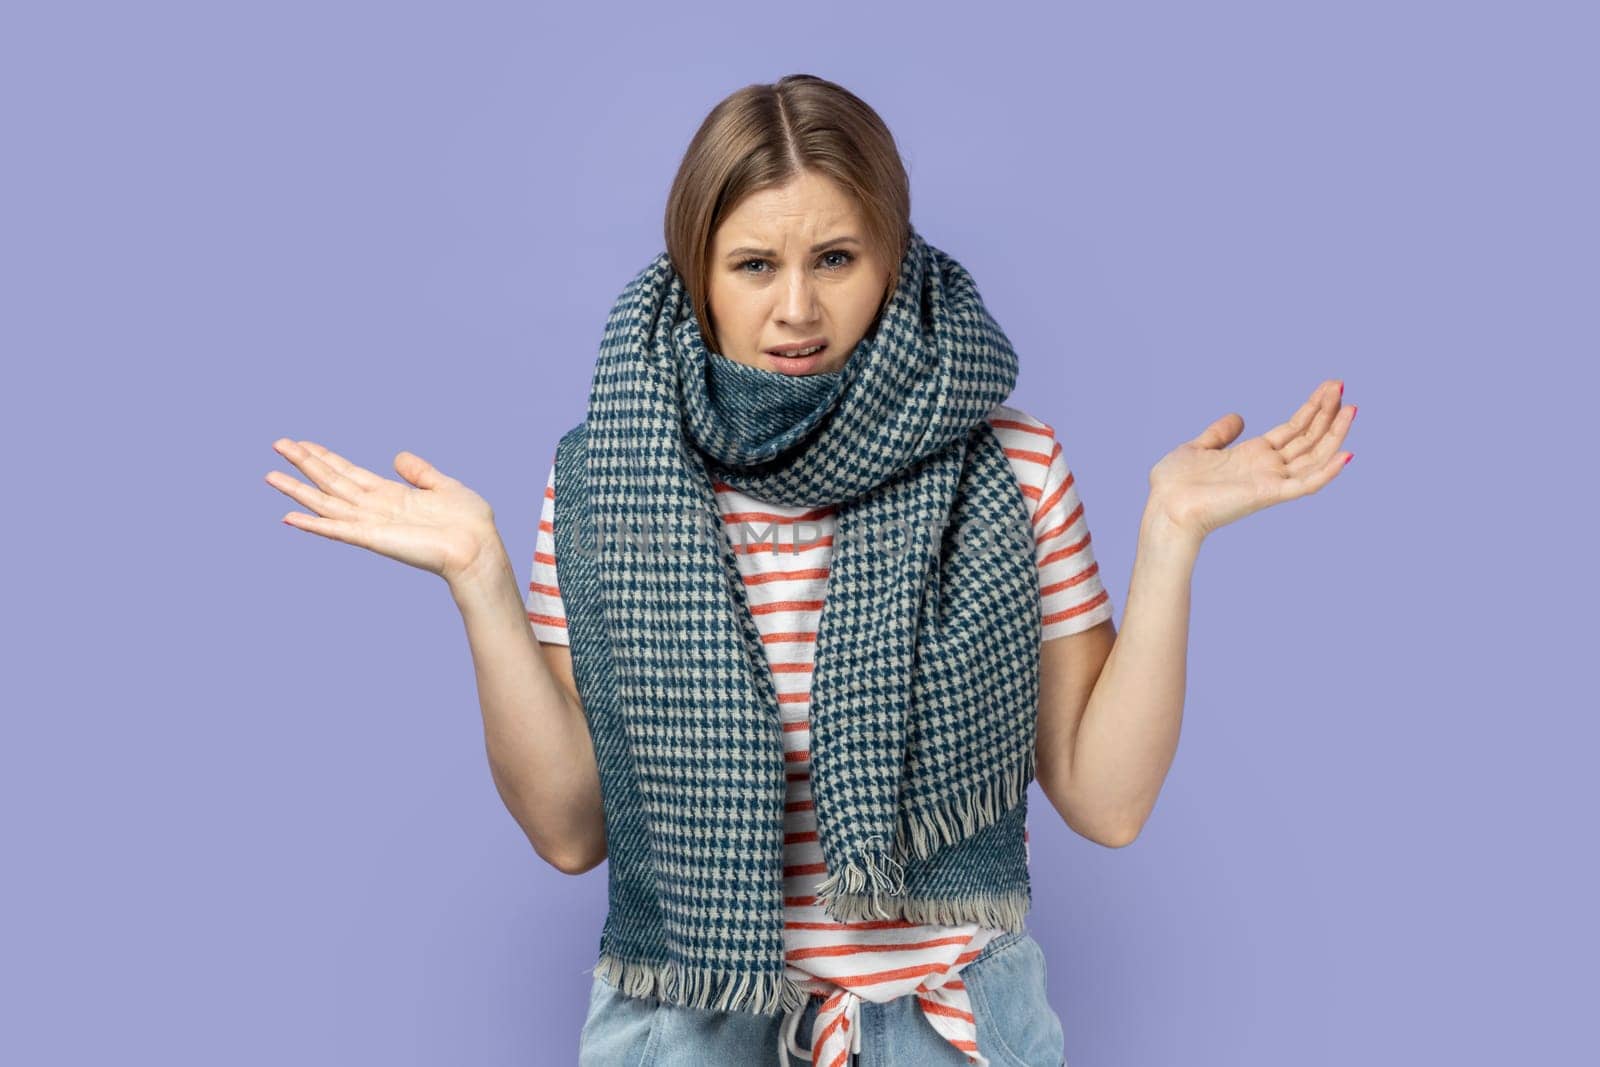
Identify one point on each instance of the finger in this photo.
(1222, 432)
(334, 529)
(1281, 434)
(309, 497)
(1307, 439)
(1327, 445)
(1317, 477)
(360, 475)
(312, 466)
(419, 472)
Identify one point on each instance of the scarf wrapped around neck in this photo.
(925, 678)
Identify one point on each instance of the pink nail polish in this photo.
(1341, 389)
(1353, 409)
(1350, 457)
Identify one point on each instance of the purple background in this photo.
(249, 818)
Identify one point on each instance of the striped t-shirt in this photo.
(785, 580)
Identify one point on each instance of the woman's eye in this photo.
(848, 258)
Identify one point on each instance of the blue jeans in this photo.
(1016, 1025)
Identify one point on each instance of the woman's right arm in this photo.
(540, 753)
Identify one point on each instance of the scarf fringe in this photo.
(952, 821)
(699, 987)
(863, 881)
(1004, 910)
(873, 886)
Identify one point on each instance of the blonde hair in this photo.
(765, 135)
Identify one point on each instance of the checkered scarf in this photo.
(925, 680)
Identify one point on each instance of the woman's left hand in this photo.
(1202, 485)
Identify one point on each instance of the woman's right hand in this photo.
(433, 523)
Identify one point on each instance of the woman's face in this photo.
(790, 267)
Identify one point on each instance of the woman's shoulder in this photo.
(1008, 419)
(1024, 435)
(1031, 446)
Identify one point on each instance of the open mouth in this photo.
(796, 353)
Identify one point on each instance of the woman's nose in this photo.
(799, 301)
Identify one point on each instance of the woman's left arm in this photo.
(1110, 703)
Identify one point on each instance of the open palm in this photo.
(430, 521)
(1203, 485)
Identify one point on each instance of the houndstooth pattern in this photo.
(925, 682)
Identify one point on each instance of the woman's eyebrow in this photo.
(814, 248)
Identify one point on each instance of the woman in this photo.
(825, 606)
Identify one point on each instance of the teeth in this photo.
(806, 351)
